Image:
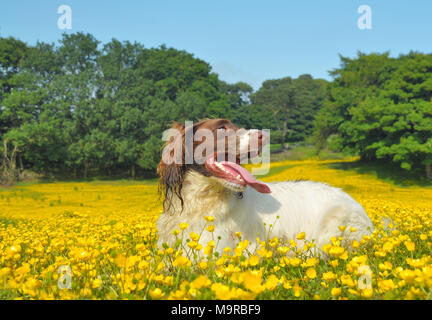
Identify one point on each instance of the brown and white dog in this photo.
(220, 187)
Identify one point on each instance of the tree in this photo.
(79, 107)
(12, 54)
(381, 107)
(293, 103)
(238, 93)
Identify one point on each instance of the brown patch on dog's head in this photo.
(172, 173)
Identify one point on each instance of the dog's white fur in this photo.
(293, 207)
(305, 206)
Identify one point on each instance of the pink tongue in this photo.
(247, 177)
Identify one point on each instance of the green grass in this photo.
(302, 153)
(385, 172)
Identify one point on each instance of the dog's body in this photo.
(314, 208)
(291, 208)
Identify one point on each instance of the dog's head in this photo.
(214, 148)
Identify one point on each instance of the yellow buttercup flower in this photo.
(311, 273)
(192, 244)
(253, 281)
(409, 245)
(329, 276)
(336, 292)
(156, 293)
(301, 236)
(194, 236)
(209, 218)
(355, 244)
(367, 293)
(200, 282)
(253, 260)
(181, 261)
(97, 283)
(297, 290)
(183, 226)
(295, 262)
(271, 282)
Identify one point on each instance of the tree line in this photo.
(380, 107)
(84, 108)
(81, 108)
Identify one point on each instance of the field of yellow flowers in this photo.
(96, 240)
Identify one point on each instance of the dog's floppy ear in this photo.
(170, 168)
(173, 148)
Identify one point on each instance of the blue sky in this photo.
(243, 40)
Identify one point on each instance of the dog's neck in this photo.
(200, 195)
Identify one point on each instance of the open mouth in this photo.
(234, 174)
